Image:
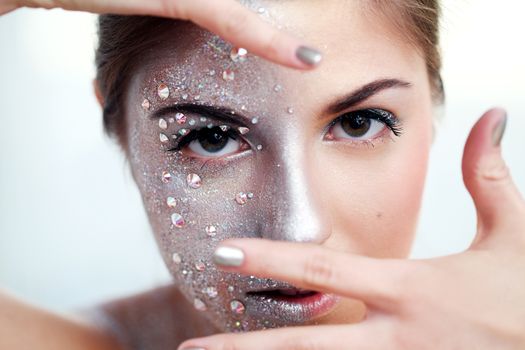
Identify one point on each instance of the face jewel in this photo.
(166, 177)
(237, 307)
(224, 127)
(200, 266)
(243, 131)
(231, 289)
(171, 202)
(145, 104)
(197, 97)
(184, 96)
(250, 195)
(211, 292)
(177, 220)
(176, 258)
(261, 10)
(184, 132)
(192, 122)
(163, 138)
(277, 88)
(194, 181)
(163, 124)
(199, 305)
(202, 119)
(211, 230)
(255, 120)
(290, 110)
(228, 75)
(241, 198)
(259, 147)
(180, 118)
(163, 91)
(211, 72)
(171, 120)
(238, 54)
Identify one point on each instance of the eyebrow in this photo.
(223, 114)
(363, 93)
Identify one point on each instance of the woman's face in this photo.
(226, 145)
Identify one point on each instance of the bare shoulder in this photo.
(158, 319)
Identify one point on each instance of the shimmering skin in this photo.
(357, 197)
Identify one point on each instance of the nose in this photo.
(294, 208)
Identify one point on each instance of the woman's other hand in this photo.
(226, 18)
(471, 300)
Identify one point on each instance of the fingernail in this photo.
(499, 131)
(228, 256)
(308, 55)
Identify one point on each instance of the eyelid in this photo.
(382, 115)
(185, 140)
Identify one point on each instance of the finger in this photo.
(341, 337)
(227, 18)
(377, 282)
(498, 202)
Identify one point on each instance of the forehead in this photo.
(357, 48)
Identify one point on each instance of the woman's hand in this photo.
(472, 300)
(226, 18)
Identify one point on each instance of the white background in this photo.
(72, 228)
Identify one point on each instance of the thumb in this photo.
(498, 202)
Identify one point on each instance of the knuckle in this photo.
(174, 9)
(235, 25)
(318, 271)
(272, 44)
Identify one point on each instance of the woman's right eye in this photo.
(212, 143)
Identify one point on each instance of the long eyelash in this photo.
(194, 135)
(387, 118)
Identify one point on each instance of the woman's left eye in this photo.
(211, 143)
(363, 125)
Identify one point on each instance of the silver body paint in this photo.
(275, 170)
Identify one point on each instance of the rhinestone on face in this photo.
(290, 110)
(211, 292)
(277, 88)
(194, 181)
(231, 289)
(261, 10)
(192, 122)
(199, 305)
(176, 258)
(180, 118)
(255, 120)
(171, 202)
(163, 138)
(184, 96)
(224, 127)
(171, 120)
(163, 91)
(237, 307)
(241, 198)
(250, 195)
(163, 124)
(146, 104)
(212, 72)
(166, 177)
(243, 130)
(200, 266)
(202, 119)
(211, 230)
(177, 220)
(184, 132)
(238, 54)
(259, 147)
(228, 75)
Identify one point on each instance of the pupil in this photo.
(213, 140)
(356, 125)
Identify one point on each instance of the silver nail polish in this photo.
(308, 55)
(228, 256)
(499, 131)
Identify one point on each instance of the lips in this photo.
(288, 305)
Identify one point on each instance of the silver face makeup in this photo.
(199, 85)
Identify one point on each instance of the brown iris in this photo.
(356, 125)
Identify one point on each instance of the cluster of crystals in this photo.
(211, 231)
(242, 198)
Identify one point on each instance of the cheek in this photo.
(375, 198)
